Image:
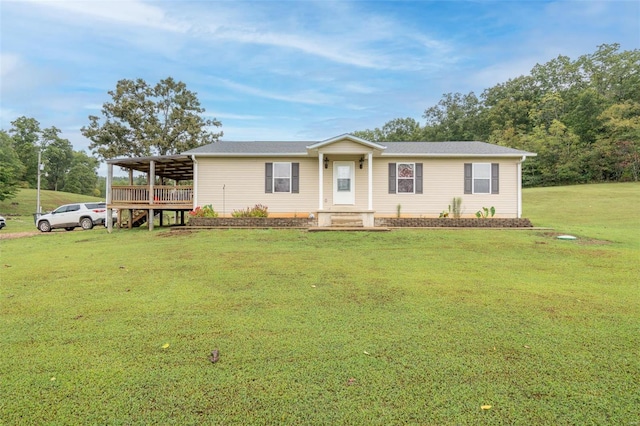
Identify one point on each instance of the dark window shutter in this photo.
(468, 178)
(295, 178)
(392, 178)
(495, 178)
(268, 177)
(418, 178)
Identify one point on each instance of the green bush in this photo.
(205, 211)
(256, 211)
(485, 212)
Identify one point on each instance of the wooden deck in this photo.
(161, 197)
(142, 203)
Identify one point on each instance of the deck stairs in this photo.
(139, 218)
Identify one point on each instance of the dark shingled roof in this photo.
(258, 148)
(450, 148)
(393, 148)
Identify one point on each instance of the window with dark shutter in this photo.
(392, 178)
(295, 178)
(268, 178)
(495, 178)
(418, 178)
(468, 178)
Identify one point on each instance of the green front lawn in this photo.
(405, 327)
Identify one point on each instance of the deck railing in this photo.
(162, 194)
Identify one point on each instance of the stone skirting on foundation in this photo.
(391, 222)
(252, 222)
(446, 222)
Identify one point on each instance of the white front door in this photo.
(344, 191)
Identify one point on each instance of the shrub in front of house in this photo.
(205, 211)
(256, 211)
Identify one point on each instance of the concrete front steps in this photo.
(347, 229)
(346, 221)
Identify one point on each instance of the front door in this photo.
(344, 182)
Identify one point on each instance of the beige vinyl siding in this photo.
(345, 147)
(243, 180)
(443, 179)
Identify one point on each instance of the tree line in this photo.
(582, 118)
(140, 120)
(62, 168)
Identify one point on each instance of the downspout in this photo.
(109, 194)
(519, 171)
(195, 182)
(370, 179)
(320, 180)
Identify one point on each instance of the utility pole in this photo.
(39, 207)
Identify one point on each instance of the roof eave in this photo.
(465, 155)
(245, 154)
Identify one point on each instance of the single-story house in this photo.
(337, 176)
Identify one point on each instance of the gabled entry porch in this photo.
(345, 182)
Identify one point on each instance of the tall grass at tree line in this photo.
(406, 327)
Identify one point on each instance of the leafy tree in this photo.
(617, 153)
(11, 170)
(456, 117)
(557, 150)
(507, 105)
(145, 120)
(559, 75)
(57, 157)
(549, 109)
(614, 75)
(399, 129)
(25, 134)
(82, 177)
(583, 115)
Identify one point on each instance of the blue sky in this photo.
(287, 70)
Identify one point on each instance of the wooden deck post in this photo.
(109, 198)
(152, 181)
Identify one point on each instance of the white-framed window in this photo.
(406, 178)
(482, 178)
(281, 177)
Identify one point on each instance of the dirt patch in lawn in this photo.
(14, 235)
(579, 240)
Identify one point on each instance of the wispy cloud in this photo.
(310, 96)
(129, 12)
(231, 116)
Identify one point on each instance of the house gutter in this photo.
(195, 182)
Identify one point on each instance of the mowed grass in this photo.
(406, 327)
